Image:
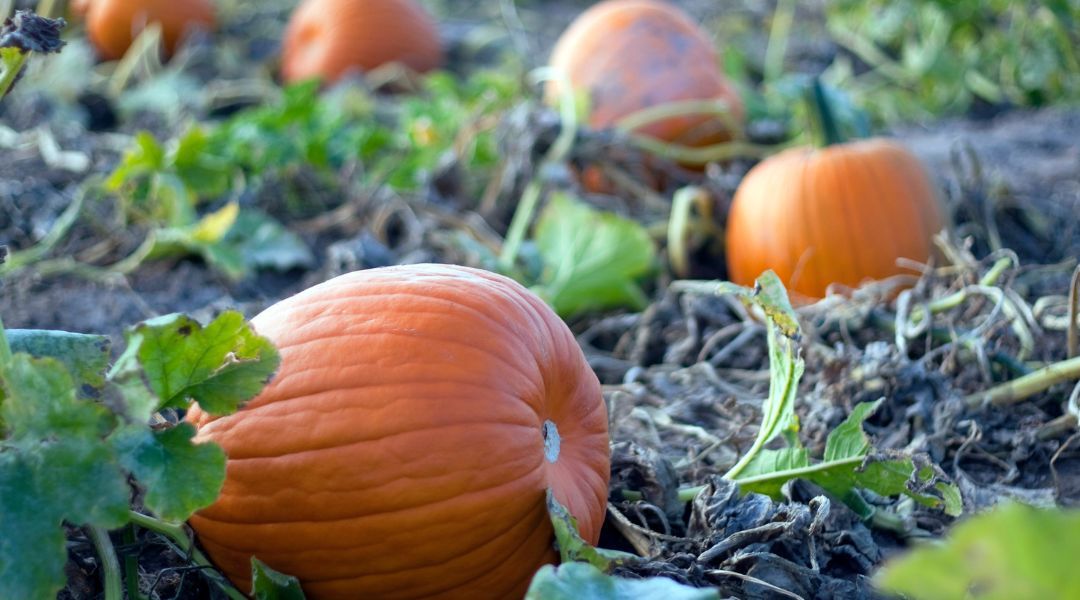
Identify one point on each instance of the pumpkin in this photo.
(629, 55)
(330, 38)
(113, 24)
(843, 214)
(405, 445)
(78, 8)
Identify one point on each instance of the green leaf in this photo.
(268, 584)
(850, 464)
(848, 439)
(54, 467)
(220, 366)
(212, 227)
(87, 356)
(890, 474)
(571, 545)
(257, 241)
(1013, 551)
(235, 242)
(772, 461)
(145, 157)
(32, 554)
(592, 259)
(40, 402)
(180, 477)
(581, 581)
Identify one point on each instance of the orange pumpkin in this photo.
(113, 24)
(843, 214)
(404, 447)
(330, 38)
(628, 55)
(78, 8)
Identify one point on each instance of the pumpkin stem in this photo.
(822, 117)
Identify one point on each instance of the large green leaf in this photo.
(180, 477)
(219, 366)
(86, 356)
(40, 402)
(592, 259)
(1011, 552)
(54, 468)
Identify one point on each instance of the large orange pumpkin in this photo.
(113, 24)
(404, 447)
(843, 214)
(628, 55)
(330, 38)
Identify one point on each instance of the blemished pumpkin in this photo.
(844, 214)
(113, 24)
(628, 55)
(329, 39)
(404, 447)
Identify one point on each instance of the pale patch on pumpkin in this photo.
(552, 442)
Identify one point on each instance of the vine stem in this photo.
(824, 120)
(46, 8)
(530, 198)
(1072, 343)
(131, 566)
(783, 17)
(1021, 388)
(179, 536)
(705, 154)
(110, 566)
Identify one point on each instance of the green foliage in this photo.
(591, 259)
(934, 57)
(849, 462)
(66, 457)
(268, 584)
(86, 357)
(397, 144)
(1013, 551)
(164, 187)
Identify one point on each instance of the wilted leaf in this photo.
(571, 545)
(581, 581)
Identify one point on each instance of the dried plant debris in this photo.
(28, 32)
(749, 546)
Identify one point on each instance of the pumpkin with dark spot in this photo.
(406, 444)
(629, 55)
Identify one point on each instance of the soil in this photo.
(683, 378)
